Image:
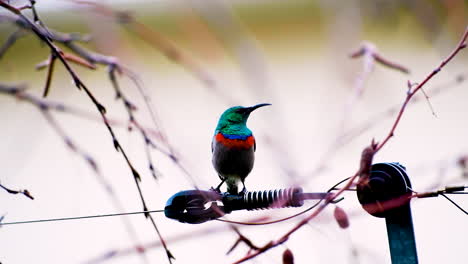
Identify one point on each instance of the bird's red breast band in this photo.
(235, 143)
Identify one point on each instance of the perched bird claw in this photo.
(243, 192)
(215, 189)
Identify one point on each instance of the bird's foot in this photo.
(215, 189)
(244, 191)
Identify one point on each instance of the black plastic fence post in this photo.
(401, 236)
(389, 182)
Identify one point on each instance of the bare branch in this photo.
(241, 238)
(10, 41)
(23, 192)
(369, 49)
(130, 107)
(370, 56)
(50, 72)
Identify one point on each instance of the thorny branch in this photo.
(366, 158)
(55, 53)
(131, 108)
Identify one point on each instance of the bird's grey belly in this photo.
(232, 162)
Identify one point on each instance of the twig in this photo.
(429, 102)
(10, 41)
(369, 49)
(23, 192)
(371, 56)
(50, 72)
(241, 238)
(71, 58)
(162, 136)
(129, 106)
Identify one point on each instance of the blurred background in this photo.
(292, 54)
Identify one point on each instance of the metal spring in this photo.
(272, 199)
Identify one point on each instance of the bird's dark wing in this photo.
(255, 145)
(212, 143)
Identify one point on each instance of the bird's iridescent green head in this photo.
(233, 121)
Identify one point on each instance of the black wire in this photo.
(76, 217)
(159, 211)
(454, 203)
(222, 220)
(338, 183)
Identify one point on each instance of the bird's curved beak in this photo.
(250, 109)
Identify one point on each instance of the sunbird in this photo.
(233, 147)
